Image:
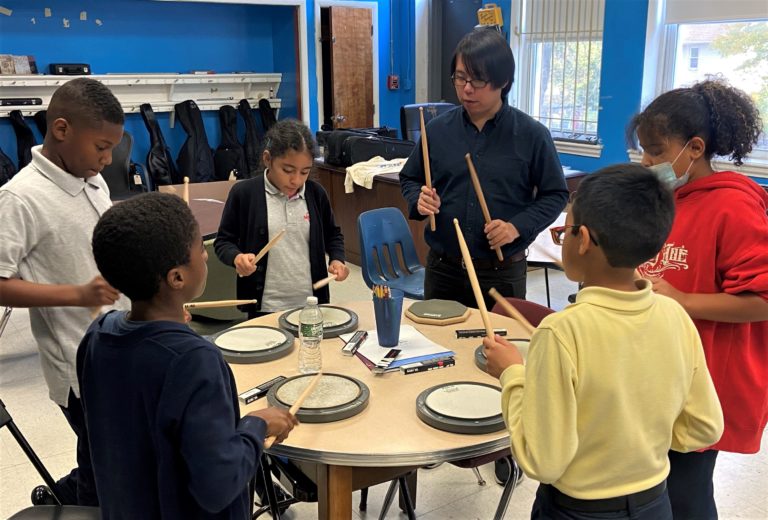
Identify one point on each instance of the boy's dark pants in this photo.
(551, 504)
(79, 487)
(691, 491)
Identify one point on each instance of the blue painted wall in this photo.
(390, 101)
(148, 36)
(621, 78)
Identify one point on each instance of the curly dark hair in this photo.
(290, 134)
(137, 241)
(628, 211)
(725, 117)
(84, 100)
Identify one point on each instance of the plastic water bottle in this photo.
(310, 336)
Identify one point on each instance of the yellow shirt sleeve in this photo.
(700, 423)
(539, 407)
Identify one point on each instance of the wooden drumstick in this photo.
(511, 310)
(325, 281)
(269, 441)
(481, 198)
(185, 192)
(270, 244)
(425, 156)
(266, 248)
(473, 280)
(95, 311)
(215, 304)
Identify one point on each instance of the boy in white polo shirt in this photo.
(50, 209)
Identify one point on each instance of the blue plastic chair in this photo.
(381, 231)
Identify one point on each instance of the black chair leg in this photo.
(363, 499)
(388, 498)
(406, 495)
(509, 487)
(269, 488)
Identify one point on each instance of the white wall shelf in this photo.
(162, 91)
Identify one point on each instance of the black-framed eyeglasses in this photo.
(558, 234)
(460, 81)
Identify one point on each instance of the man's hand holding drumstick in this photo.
(429, 202)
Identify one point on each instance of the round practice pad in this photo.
(336, 320)
(253, 344)
(461, 407)
(335, 397)
(482, 363)
(437, 312)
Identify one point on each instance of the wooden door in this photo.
(352, 67)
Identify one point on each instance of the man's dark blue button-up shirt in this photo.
(519, 171)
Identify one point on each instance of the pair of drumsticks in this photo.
(472, 173)
(493, 292)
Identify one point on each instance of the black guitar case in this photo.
(229, 155)
(195, 158)
(160, 165)
(362, 148)
(7, 169)
(41, 122)
(253, 139)
(267, 114)
(25, 139)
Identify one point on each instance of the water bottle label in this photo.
(312, 329)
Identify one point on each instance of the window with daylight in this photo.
(693, 58)
(560, 51)
(726, 40)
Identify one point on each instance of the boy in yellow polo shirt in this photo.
(616, 379)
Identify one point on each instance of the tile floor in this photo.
(444, 493)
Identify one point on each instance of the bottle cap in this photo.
(311, 300)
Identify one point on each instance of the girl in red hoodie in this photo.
(714, 263)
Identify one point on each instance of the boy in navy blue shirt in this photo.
(160, 403)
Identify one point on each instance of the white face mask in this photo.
(665, 172)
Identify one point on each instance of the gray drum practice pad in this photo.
(482, 363)
(336, 321)
(335, 397)
(437, 312)
(253, 344)
(461, 407)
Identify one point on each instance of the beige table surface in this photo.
(387, 438)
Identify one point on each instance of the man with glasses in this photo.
(518, 167)
(519, 171)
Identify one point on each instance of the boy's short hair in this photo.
(85, 101)
(137, 241)
(628, 211)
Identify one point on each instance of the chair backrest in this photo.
(117, 175)
(410, 124)
(386, 246)
(220, 285)
(531, 311)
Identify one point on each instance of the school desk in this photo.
(386, 439)
(206, 200)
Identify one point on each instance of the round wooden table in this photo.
(387, 439)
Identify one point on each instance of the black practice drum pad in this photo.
(482, 363)
(253, 344)
(336, 321)
(461, 407)
(335, 397)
